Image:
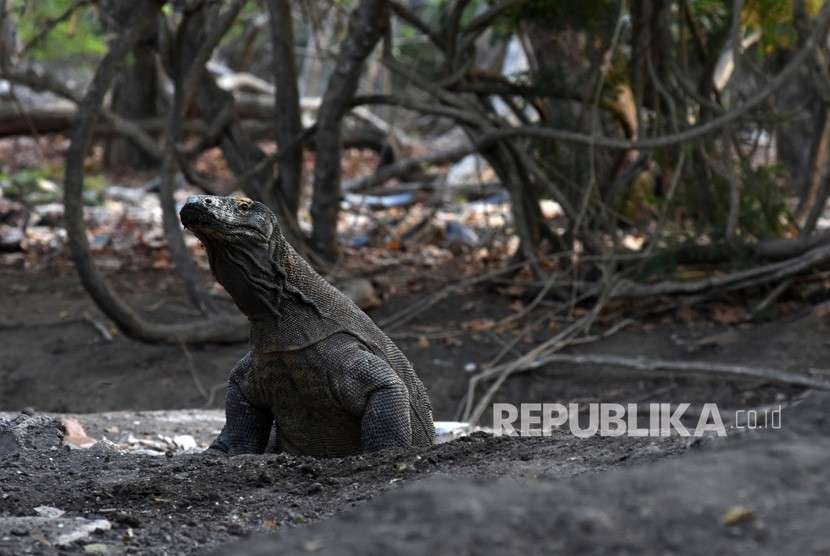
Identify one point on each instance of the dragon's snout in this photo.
(195, 210)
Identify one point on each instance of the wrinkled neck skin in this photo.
(282, 317)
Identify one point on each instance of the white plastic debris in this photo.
(184, 441)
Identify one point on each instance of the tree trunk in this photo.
(367, 24)
(134, 98)
(286, 104)
(135, 90)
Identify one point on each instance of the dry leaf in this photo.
(737, 515)
(729, 314)
(478, 325)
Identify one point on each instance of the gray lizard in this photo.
(320, 372)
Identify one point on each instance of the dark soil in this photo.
(475, 495)
(760, 494)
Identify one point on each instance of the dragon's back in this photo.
(351, 319)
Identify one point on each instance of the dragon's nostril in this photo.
(208, 201)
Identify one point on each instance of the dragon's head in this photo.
(228, 221)
(239, 236)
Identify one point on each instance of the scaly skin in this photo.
(320, 373)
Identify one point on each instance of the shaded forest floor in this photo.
(56, 359)
(496, 495)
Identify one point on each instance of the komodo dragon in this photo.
(319, 371)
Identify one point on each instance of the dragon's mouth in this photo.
(194, 216)
(202, 222)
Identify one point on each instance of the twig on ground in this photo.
(411, 311)
(564, 338)
(721, 370)
(773, 295)
(99, 326)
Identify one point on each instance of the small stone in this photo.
(313, 545)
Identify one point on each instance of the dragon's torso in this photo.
(297, 367)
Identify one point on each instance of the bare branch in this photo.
(403, 12)
(41, 80)
(406, 165)
(737, 280)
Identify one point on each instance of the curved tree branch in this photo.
(226, 328)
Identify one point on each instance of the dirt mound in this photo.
(769, 494)
(29, 432)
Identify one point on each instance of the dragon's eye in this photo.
(244, 204)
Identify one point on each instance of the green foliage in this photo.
(30, 185)
(774, 18)
(37, 186)
(80, 35)
(763, 207)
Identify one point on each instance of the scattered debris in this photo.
(470, 169)
(380, 201)
(185, 442)
(450, 430)
(74, 434)
(60, 531)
